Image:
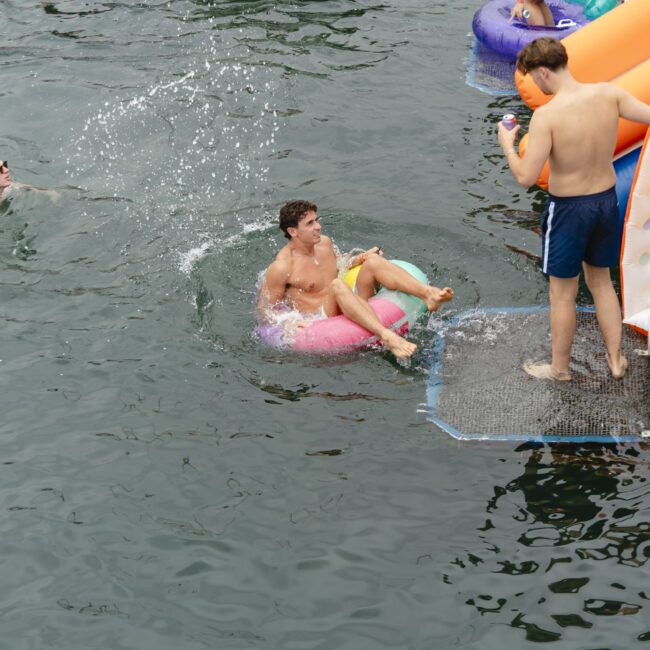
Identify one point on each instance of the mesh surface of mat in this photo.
(477, 388)
(490, 72)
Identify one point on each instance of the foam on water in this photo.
(189, 259)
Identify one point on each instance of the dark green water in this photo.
(166, 482)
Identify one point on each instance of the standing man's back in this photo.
(576, 132)
(582, 124)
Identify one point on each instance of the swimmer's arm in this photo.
(526, 170)
(274, 288)
(53, 195)
(631, 108)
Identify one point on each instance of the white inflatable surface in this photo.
(635, 253)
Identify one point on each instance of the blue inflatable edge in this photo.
(434, 386)
(625, 167)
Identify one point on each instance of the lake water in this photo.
(169, 483)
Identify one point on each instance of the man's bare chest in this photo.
(312, 276)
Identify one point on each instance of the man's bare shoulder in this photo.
(600, 89)
(544, 116)
(326, 245)
(282, 263)
(545, 110)
(604, 86)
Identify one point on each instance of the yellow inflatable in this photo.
(350, 277)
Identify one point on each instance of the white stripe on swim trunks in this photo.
(547, 238)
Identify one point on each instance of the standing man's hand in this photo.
(508, 137)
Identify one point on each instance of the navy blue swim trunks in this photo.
(580, 228)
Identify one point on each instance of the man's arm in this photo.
(274, 287)
(517, 11)
(362, 257)
(631, 108)
(526, 170)
(53, 195)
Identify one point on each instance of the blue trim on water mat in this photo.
(434, 386)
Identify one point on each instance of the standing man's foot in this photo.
(541, 370)
(435, 297)
(400, 347)
(618, 368)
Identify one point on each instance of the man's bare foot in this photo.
(541, 370)
(436, 297)
(400, 347)
(619, 369)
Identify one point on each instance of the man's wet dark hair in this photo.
(292, 212)
(542, 52)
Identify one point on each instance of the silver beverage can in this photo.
(509, 121)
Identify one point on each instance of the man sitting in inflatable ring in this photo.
(305, 273)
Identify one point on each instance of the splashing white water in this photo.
(188, 154)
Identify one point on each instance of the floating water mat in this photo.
(477, 389)
(490, 72)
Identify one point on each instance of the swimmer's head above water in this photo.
(5, 178)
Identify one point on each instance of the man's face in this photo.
(308, 230)
(5, 179)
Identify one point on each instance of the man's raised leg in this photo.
(608, 312)
(360, 312)
(377, 270)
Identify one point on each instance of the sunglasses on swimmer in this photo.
(4, 165)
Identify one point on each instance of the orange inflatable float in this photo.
(615, 48)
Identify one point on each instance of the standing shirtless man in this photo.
(576, 131)
(305, 272)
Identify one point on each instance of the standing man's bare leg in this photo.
(360, 312)
(377, 270)
(562, 293)
(608, 312)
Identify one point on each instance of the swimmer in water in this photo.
(7, 186)
(305, 272)
(5, 179)
(535, 13)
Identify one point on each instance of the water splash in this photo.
(188, 152)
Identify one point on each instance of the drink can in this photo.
(509, 121)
